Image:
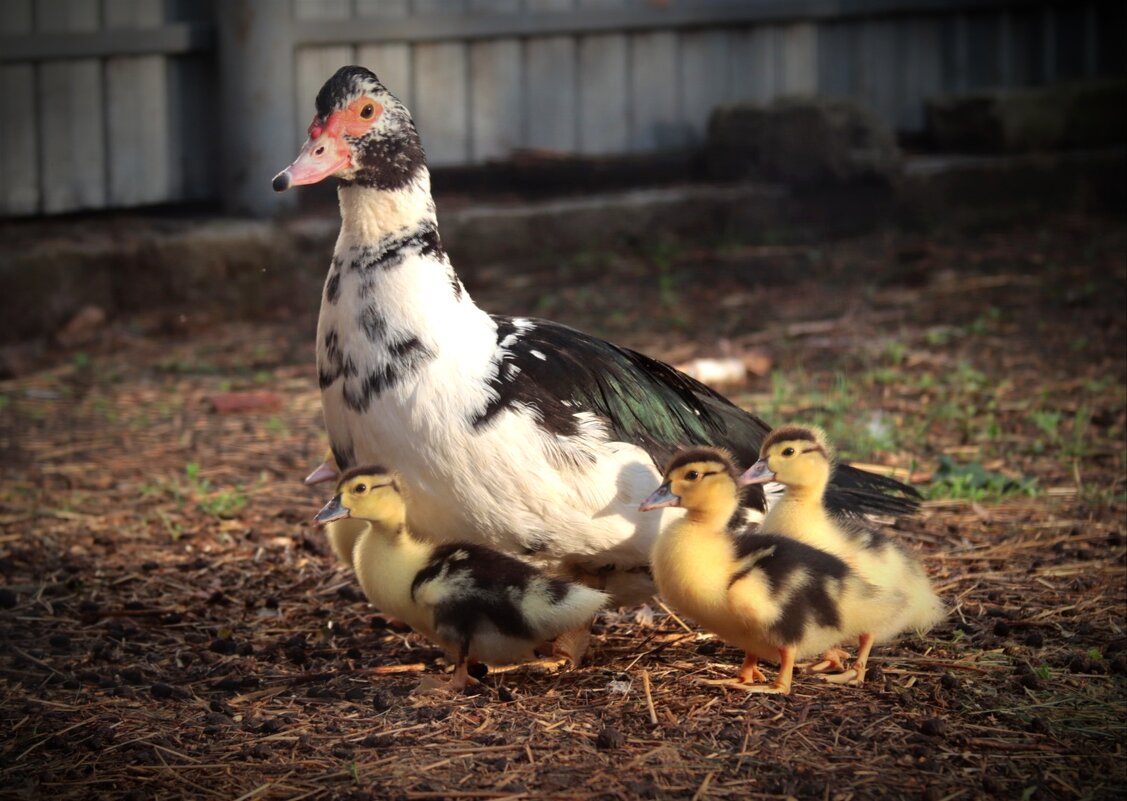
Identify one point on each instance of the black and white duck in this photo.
(537, 439)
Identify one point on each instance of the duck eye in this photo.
(367, 112)
(360, 489)
(692, 475)
(788, 451)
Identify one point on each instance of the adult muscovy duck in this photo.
(537, 439)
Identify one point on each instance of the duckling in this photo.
(341, 534)
(772, 596)
(802, 460)
(477, 603)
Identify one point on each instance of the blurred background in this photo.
(112, 104)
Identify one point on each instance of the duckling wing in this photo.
(791, 590)
(499, 605)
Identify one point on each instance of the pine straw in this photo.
(152, 650)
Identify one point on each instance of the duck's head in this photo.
(798, 457)
(365, 493)
(360, 134)
(699, 480)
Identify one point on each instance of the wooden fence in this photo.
(119, 103)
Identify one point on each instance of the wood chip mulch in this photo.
(171, 626)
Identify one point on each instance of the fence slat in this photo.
(704, 78)
(604, 96)
(921, 74)
(390, 62)
(19, 185)
(137, 113)
(550, 100)
(73, 129)
(495, 89)
(441, 91)
(656, 123)
(799, 59)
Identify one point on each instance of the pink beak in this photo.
(324, 153)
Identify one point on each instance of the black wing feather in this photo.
(652, 405)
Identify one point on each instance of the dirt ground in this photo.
(173, 627)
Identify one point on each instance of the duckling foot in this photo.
(833, 660)
(852, 677)
(750, 671)
(572, 645)
(855, 676)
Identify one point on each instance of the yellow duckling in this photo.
(772, 596)
(802, 460)
(341, 534)
(478, 604)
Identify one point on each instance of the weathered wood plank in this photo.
(73, 127)
(1071, 42)
(984, 51)
(550, 86)
(137, 115)
(441, 98)
(704, 78)
(441, 90)
(391, 62)
(19, 187)
(604, 95)
(799, 59)
(836, 70)
(315, 65)
(495, 89)
(918, 44)
(656, 123)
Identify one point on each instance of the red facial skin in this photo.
(326, 152)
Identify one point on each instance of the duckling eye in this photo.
(692, 475)
(788, 451)
(367, 112)
(360, 489)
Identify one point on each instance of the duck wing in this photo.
(560, 372)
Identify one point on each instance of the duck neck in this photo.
(369, 213)
(715, 517)
(800, 507)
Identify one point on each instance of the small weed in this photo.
(973, 482)
(1044, 672)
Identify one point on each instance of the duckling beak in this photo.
(325, 471)
(663, 496)
(758, 473)
(334, 510)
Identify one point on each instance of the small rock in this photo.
(1030, 681)
(1001, 629)
(1080, 664)
(1034, 638)
(356, 694)
(223, 646)
(161, 690)
(82, 327)
(506, 695)
(382, 701)
(950, 681)
(59, 641)
(609, 738)
(933, 727)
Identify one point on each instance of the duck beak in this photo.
(333, 510)
(326, 471)
(325, 153)
(662, 497)
(758, 473)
